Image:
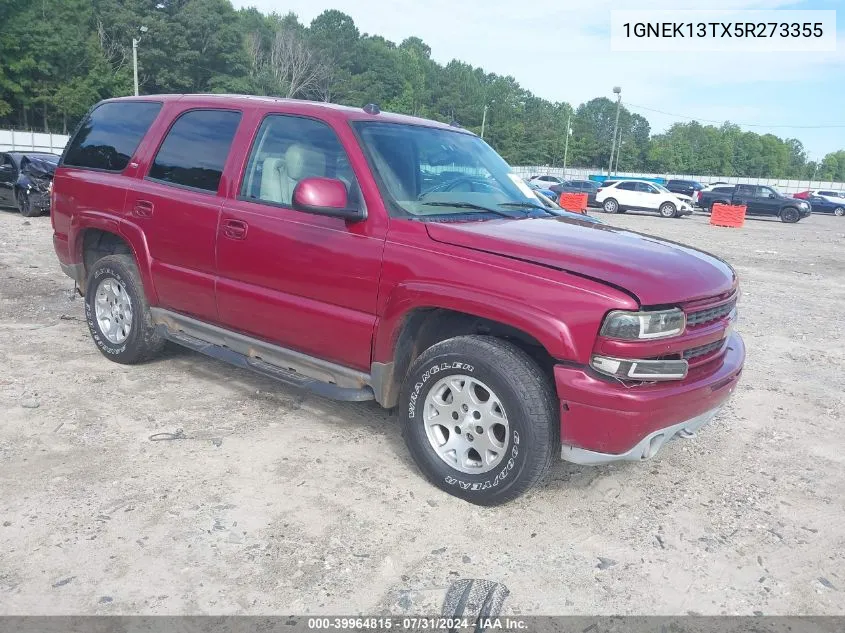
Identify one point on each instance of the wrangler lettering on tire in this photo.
(480, 418)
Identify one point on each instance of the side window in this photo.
(288, 149)
(110, 135)
(766, 192)
(644, 187)
(195, 149)
(7, 169)
(723, 189)
(628, 186)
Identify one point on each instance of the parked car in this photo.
(296, 239)
(578, 186)
(684, 187)
(826, 204)
(542, 189)
(833, 196)
(758, 199)
(25, 179)
(639, 195)
(545, 181)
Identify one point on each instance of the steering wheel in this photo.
(453, 185)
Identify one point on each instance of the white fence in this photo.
(16, 140)
(12, 140)
(781, 184)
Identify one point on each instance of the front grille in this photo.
(702, 350)
(709, 315)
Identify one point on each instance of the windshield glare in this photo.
(424, 169)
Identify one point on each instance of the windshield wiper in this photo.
(526, 205)
(474, 207)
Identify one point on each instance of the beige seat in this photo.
(279, 176)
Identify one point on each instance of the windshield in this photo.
(661, 188)
(428, 171)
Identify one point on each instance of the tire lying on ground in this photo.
(480, 418)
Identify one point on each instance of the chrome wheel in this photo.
(667, 210)
(839, 211)
(113, 309)
(610, 206)
(466, 424)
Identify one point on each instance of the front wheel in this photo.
(610, 206)
(668, 210)
(789, 215)
(480, 418)
(839, 211)
(25, 206)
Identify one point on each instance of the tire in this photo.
(789, 215)
(668, 210)
(111, 281)
(25, 206)
(521, 432)
(610, 206)
(839, 211)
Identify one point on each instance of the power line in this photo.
(758, 125)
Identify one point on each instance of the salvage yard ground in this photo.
(276, 501)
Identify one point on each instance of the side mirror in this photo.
(325, 196)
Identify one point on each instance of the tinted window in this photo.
(766, 192)
(110, 135)
(288, 149)
(195, 149)
(628, 186)
(826, 193)
(723, 189)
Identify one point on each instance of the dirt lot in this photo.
(282, 502)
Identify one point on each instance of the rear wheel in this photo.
(789, 215)
(117, 311)
(610, 206)
(25, 206)
(668, 210)
(480, 418)
(839, 211)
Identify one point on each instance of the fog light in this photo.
(647, 370)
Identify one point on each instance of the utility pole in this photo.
(135, 41)
(618, 151)
(566, 143)
(484, 116)
(618, 92)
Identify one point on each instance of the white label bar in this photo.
(752, 31)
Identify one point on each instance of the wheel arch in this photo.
(403, 337)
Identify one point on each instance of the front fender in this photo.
(549, 330)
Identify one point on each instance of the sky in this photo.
(560, 50)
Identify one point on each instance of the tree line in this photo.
(59, 57)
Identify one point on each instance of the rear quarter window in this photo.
(110, 134)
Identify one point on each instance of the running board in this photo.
(288, 366)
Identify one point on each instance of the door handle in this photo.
(143, 208)
(235, 229)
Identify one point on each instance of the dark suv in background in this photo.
(684, 187)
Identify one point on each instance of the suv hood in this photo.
(654, 270)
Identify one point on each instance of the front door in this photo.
(8, 178)
(768, 201)
(302, 281)
(178, 207)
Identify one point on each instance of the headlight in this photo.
(644, 325)
(648, 370)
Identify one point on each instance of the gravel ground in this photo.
(277, 501)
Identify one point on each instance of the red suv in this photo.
(372, 256)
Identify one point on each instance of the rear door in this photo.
(177, 207)
(747, 195)
(302, 281)
(628, 196)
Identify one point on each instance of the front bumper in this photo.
(646, 448)
(603, 420)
